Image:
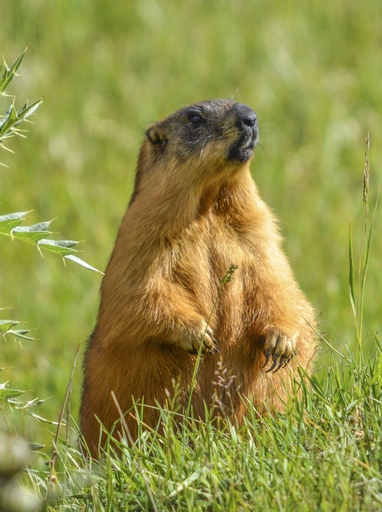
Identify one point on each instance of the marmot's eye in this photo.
(195, 118)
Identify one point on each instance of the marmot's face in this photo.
(210, 135)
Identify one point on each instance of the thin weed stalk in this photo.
(228, 276)
(357, 291)
(52, 480)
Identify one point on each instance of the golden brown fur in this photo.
(195, 211)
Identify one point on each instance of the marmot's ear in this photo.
(156, 134)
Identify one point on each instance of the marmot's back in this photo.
(194, 213)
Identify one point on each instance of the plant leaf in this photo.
(7, 393)
(83, 263)
(9, 73)
(62, 247)
(5, 325)
(28, 110)
(11, 220)
(12, 118)
(32, 233)
(19, 334)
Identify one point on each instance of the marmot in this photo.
(194, 212)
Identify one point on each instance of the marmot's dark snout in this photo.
(246, 120)
(245, 115)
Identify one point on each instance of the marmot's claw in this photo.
(207, 340)
(214, 349)
(211, 349)
(280, 348)
(284, 360)
(281, 362)
(267, 357)
(274, 363)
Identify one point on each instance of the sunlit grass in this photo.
(323, 453)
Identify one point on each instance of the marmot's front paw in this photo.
(204, 338)
(280, 348)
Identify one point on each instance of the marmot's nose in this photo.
(245, 115)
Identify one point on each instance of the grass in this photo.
(105, 71)
(324, 453)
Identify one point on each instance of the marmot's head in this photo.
(200, 144)
(216, 129)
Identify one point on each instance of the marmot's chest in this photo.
(206, 251)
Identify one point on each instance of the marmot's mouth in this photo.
(243, 148)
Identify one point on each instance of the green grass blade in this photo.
(351, 272)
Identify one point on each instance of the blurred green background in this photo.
(311, 70)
